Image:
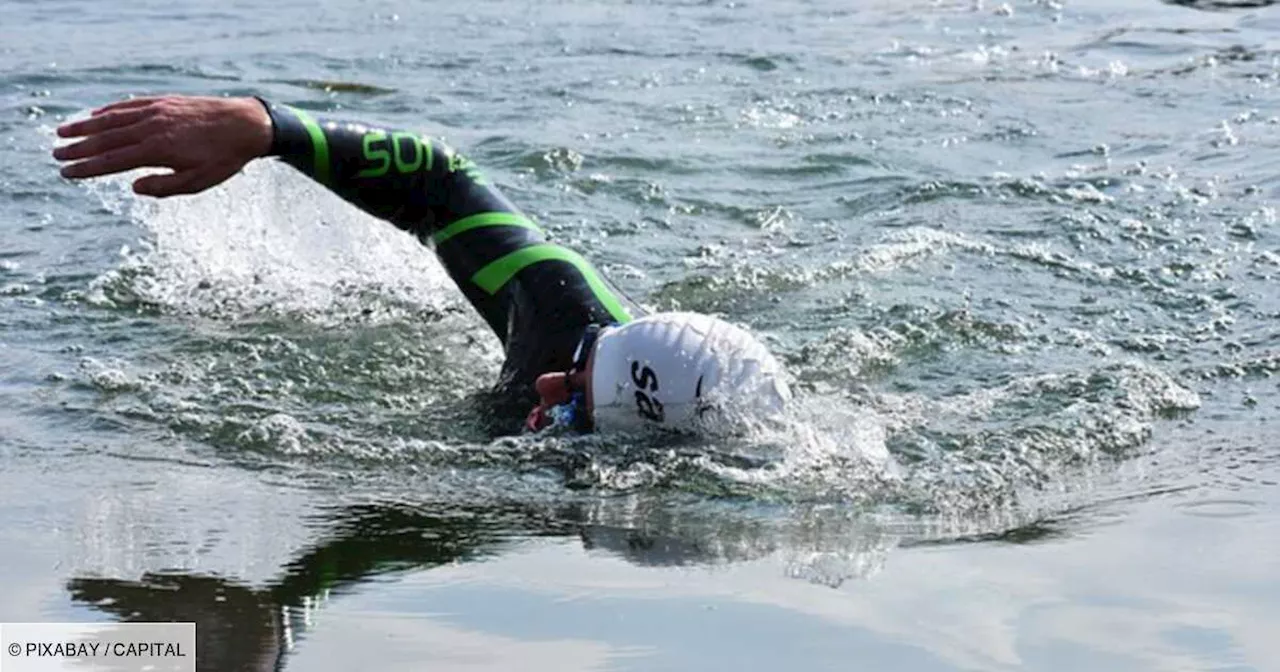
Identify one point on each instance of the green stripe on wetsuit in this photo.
(319, 145)
(496, 274)
(499, 272)
(426, 201)
(481, 220)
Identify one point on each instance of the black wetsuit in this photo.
(538, 297)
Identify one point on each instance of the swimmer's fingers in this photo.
(114, 161)
(169, 184)
(100, 142)
(186, 181)
(103, 122)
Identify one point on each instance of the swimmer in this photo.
(582, 354)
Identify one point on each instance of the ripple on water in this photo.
(1221, 508)
(287, 399)
(857, 218)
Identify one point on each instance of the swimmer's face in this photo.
(557, 388)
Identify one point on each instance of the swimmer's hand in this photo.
(203, 140)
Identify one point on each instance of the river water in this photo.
(1018, 257)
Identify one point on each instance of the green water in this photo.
(1019, 259)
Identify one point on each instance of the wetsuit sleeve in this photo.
(416, 183)
(537, 296)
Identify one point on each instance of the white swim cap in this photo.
(670, 369)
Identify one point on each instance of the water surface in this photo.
(1019, 258)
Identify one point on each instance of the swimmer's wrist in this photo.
(290, 136)
(264, 127)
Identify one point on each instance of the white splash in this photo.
(268, 240)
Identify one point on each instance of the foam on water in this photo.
(272, 247)
(1016, 257)
(270, 244)
(268, 241)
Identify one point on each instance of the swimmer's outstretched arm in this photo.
(418, 184)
